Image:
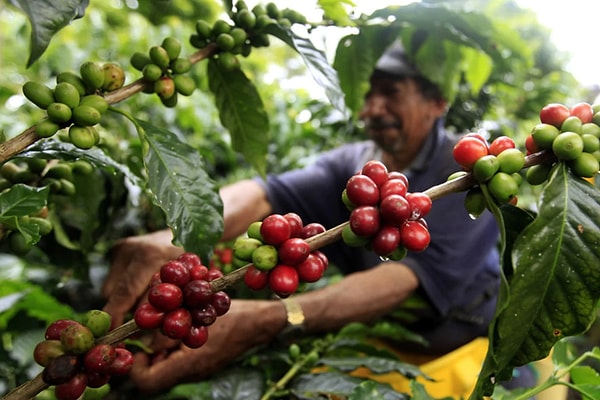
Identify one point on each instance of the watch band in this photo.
(295, 320)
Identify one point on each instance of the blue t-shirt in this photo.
(461, 265)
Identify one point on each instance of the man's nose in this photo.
(374, 106)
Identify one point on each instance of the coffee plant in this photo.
(67, 165)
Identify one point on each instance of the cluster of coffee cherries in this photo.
(74, 362)
(181, 301)
(76, 101)
(278, 254)
(246, 30)
(496, 165)
(164, 71)
(572, 134)
(384, 216)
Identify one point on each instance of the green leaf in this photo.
(20, 200)
(316, 62)
(376, 364)
(242, 112)
(372, 390)
(419, 392)
(556, 284)
(335, 11)
(342, 385)
(48, 17)
(183, 190)
(583, 375)
(237, 384)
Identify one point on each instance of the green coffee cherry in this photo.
(253, 230)
(503, 187)
(243, 247)
(82, 137)
(225, 41)
(9, 169)
(82, 167)
(114, 77)
(261, 40)
(585, 165)
(92, 75)
(485, 167)
(60, 170)
(66, 93)
(96, 101)
(184, 84)
(44, 225)
(97, 321)
(228, 61)
(511, 160)
(77, 339)
(273, 11)
(543, 135)
(265, 257)
(39, 94)
(73, 79)
(204, 29)
(475, 202)
(66, 187)
(139, 60)
(18, 244)
(46, 128)
(245, 19)
(159, 56)
(220, 26)
(259, 10)
(590, 129)
(164, 87)
(59, 113)
(197, 41)
(36, 164)
(351, 239)
(152, 72)
(571, 124)
(170, 102)
(239, 36)
(172, 46)
(262, 21)
(567, 146)
(86, 115)
(181, 65)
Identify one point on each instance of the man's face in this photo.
(397, 116)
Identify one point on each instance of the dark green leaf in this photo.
(48, 17)
(372, 390)
(181, 187)
(376, 364)
(316, 62)
(242, 112)
(238, 384)
(556, 284)
(419, 392)
(22, 200)
(327, 382)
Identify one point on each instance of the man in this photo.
(457, 274)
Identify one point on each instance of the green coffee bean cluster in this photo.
(247, 30)
(572, 134)
(76, 101)
(164, 70)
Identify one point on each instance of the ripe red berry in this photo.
(275, 229)
(175, 272)
(197, 293)
(198, 272)
(395, 209)
(189, 259)
(362, 191)
(311, 269)
(296, 224)
(155, 279)
(221, 302)
(177, 323)
(364, 220)
(398, 175)
(322, 256)
(123, 363)
(147, 316)
(165, 296)
(55, 328)
(500, 144)
(283, 280)
(97, 379)
(414, 236)
(72, 389)
(376, 170)
(203, 316)
(255, 278)
(420, 204)
(293, 251)
(468, 150)
(393, 186)
(99, 358)
(196, 337)
(312, 229)
(583, 111)
(214, 273)
(386, 240)
(554, 114)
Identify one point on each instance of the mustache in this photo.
(379, 123)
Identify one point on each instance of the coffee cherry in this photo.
(139, 60)
(86, 115)
(184, 84)
(511, 161)
(197, 293)
(96, 380)
(181, 65)
(311, 269)
(352, 239)
(583, 111)
(275, 229)
(67, 94)
(571, 124)
(567, 146)
(73, 79)
(39, 94)
(159, 56)
(172, 46)
(538, 174)
(393, 186)
(591, 143)
(114, 77)
(585, 165)
(392, 175)
(503, 187)
(293, 251)
(500, 144)
(177, 323)
(46, 128)
(76, 338)
(164, 87)
(55, 328)
(312, 229)
(420, 204)
(475, 202)
(221, 302)
(165, 296)
(225, 41)
(214, 273)
(219, 26)
(175, 272)
(83, 137)
(239, 36)
(72, 389)
(92, 75)
(255, 278)
(196, 337)
(362, 191)
(365, 220)
(590, 129)
(395, 209)
(246, 19)
(47, 350)
(283, 280)
(203, 316)
(554, 114)
(468, 150)
(152, 72)
(97, 321)
(414, 236)
(485, 168)
(203, 28)
(253, 231)
(265, 257)
(147, 316)
(296, 224)
(243, 247)
(228, 61)
(190, 260)
(122, 363)
(95, 101)
(377, 171)
(386, 240)
(99, 358)
(61, 369)
(59, 113)
(543, 136)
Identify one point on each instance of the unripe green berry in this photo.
(159, 56)
(239, 36)
(245, 19)
(351, 239)
(96, 101)
(203, 28)
(172, 46)
(243, 247)
(503, 187)
(59, 113)
(46, 128)
(590, 129)
(44, 225)
(475, 202)
(67, 94)
(181, 65)
(228, 61)
(585, 165)
(253, 230)
(170, 102)
(485, 167)
(184, 84)
(86, 115)
(139, 60)
(82, 136)
(567, 146)
(273, 11)
(543, 135)
(591, 143)
(73, 79)
(152, 72)
(265, 257)
(511, 160)
(39, 94)
(571, 124)
(92, 75)
(220, 26)
(97, 321)
(225, 41)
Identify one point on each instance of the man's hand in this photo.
(248, 323)
(134, 261)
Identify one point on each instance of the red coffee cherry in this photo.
(189, 259)
(123, 363)
(97, 379)
(398, 175)
(468, 150)
(420, 204)
(214, 273)
(196, 337)
(386, 240)
(55, 328)
(221, 302)
(312, 229)
(377, 171)
(197, 293)
(72, 389)
(500, 144)
(395, 209)
(275, 229)
(296, 224)
(99, 358)
(364, 220)
(414, 236)
(147, 316)
(362, 191)
(165, 296)
(583, 111)
(155, 279)
(393, 186)
(554, 114)
(255, 278)
(311, 269)
(293, 251)
(175, 272)
(283, 280)
(198, 272)
(177, 323)
(322, 256)
(203, 316)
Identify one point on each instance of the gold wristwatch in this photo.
(295, 320)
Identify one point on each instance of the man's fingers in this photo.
(152, 377)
